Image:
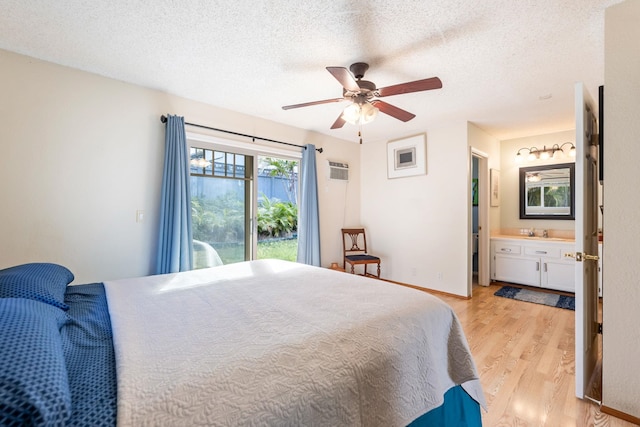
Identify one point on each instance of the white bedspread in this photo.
(276, 343)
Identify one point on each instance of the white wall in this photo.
(80, 153)
(339, 200)
(621, 269)
(510, 179)
(418, 225)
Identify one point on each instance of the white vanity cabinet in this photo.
(533, 262)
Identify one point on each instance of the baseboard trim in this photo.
(430, 291)
(619, 414)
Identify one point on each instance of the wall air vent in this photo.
(338, 171)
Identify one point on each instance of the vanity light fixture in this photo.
(556, 152)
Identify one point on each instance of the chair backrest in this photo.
(354, 240)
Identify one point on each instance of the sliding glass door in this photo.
(244, 205)
(221, 194)
(277, 208)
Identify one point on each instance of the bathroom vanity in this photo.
(533, 261)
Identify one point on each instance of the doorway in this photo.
(474, 219)
(478, 265)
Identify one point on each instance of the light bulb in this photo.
(367, 113)
(352, 113)
(359, 113)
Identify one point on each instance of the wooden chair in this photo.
(354, 245)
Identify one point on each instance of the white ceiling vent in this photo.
(338, 171)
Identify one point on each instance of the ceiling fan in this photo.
(364, 95)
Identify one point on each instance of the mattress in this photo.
(272, 342)
(256, 343)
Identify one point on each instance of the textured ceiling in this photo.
(507, 66)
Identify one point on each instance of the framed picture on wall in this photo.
(495, 187)
(407, 156)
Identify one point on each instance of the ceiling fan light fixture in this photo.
(364, 95)
(356, 113)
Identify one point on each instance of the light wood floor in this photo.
(525, 357)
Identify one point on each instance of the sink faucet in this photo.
(532, 232)
(545, 233)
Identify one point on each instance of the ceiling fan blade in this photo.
(416, 86)
(338, 123)
(393, 111)
(345, 78)
(306, 104)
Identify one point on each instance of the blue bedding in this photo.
(34, 390)
(88, 349)
(459, 409)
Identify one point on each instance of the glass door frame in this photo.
(254, 150)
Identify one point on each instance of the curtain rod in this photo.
(163, 119)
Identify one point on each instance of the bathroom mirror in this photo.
(547, 192)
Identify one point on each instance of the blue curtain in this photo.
(175, 251)
(309, 224)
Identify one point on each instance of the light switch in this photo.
(139, 216)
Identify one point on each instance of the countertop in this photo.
(533, 238)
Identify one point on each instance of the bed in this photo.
(264, 342)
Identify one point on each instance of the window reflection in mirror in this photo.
(547, 192)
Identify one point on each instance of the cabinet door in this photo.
(523, 270)
(558, 275)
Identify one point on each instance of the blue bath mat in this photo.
(553, 300)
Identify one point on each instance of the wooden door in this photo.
(586, 230)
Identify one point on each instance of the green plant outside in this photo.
(286, 249)
(222, 219)
(276, 218)
(220, 223)
(218, 220)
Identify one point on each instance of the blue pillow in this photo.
(34, 387)
(43, 282)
